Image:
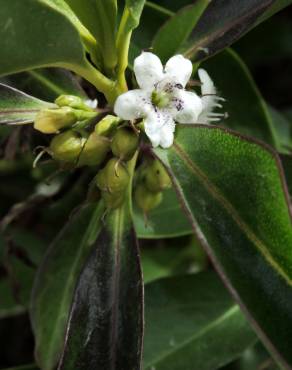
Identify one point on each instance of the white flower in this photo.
(162, 99)
(91, 103)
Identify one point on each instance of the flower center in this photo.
(160, 98)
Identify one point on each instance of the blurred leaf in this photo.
(283, 129)
(27, 40)
(56, 280)
(46, 83)
(105, 329)
(237, 200)
(207, 329)
(255, 357)
(17, 107)
(174, 33)
(275, 8)
(287, 166)
(157, 224)
(246, 108)
(24, 367)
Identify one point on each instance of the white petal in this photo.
(179, 69)
(189, 107)
(159, 127)
(208, 90)
(167, 134)
(132, 104)
(91, 103)
(148, 70)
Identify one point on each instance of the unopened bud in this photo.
(124, 143)
(113, 181)
(156, 177)
(73, 101)
(146, 199)
(50, 121)
(66, 147)
(94, 151)
(107, 125)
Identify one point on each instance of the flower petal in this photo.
(179, 69)
(148, 70)
(132, 104)
(159, 127)
(188, 107)
(210, 100)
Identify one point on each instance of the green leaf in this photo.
(157, 224)
(246, 108)
(105, 327)
(100, 18)
(207, 328)
(237, 201)
(222, 24)
(275, 8)
(18, 108)
(56, 280)
(24, 367)
(174, 33)
(283, 129)
(46, 84)
(50, 40)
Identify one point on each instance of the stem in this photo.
(100, 81)
(123, 45)
(160, 9)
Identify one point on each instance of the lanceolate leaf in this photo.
(247, 111)
(35, 34)
(17, 107)
(106, 320)
(207, 328)
(46, 83)
(171, 37)
(222, 23)
(234, 193)
(56, 280)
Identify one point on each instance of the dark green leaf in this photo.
(17, 108)
(46, 84)
(33, 33)
(237, 201)
(283, 129)
(157, 224)
(56, 280)
(207, 328)
(223, 23)
(172, 36)
(246, 108)
(106, 320)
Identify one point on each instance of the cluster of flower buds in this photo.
(113, 180)
(152, 179)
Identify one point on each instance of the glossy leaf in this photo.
(99, 17)
(172, 36)
(223, 23)
(157, 224)
(207, 328)
(247, 111)
(18, 108)
(46, 83)
(27, 40)
(234, 193)
(106, 320)
(56, 280)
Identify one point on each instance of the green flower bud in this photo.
(66, 147)
(146, 199)
(156, 177)
(94, 151)
(50, 121)
(124, 143)
(107, 125)
(113, 181)
(72, 101)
